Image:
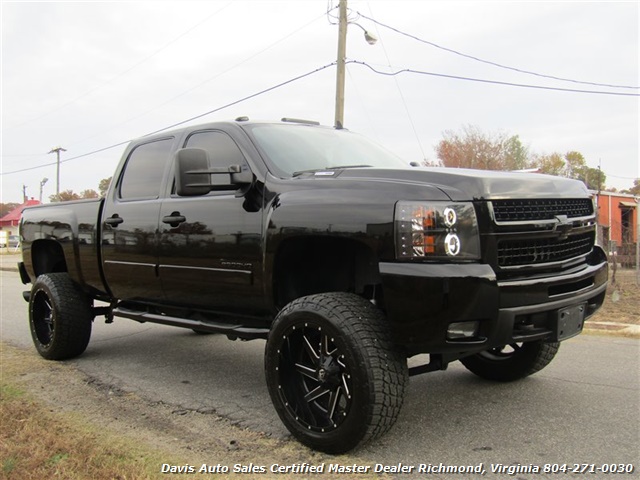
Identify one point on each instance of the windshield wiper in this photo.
(339, 167)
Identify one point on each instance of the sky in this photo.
(86, 76)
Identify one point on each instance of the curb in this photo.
(622, 329)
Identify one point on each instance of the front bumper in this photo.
(422, 300)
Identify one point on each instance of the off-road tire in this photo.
(511, 362)
(334, 376)
(60, 317)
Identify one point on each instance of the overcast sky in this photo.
(89, 75)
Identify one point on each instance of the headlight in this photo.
(436, 230)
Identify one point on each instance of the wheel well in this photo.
(47, 257)
(306, 266)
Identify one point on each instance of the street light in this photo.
(42, 182)
(340, 62)
(369, 37)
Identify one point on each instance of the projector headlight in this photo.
(436, 230)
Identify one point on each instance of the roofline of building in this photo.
(616, 194)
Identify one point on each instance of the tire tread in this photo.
(73, 316)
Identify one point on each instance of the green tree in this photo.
(635, 190)
(516, 155)
(593, 178)
(103, 186)
(552, 164)
(575, 165)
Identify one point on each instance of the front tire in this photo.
(60, 317)
(333, 374)
(511, 362)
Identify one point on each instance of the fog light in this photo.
(462, 330)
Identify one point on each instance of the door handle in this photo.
(174, 219)
(114, 220)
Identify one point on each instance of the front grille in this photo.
(533, 252)
(540, 209)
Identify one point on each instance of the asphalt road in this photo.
(584, 408)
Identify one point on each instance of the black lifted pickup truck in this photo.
(346, 259)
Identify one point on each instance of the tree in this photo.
(516, 154)
(635, 190)
(473, 148)
(575, 164)
(103, 186)
(90, 193)
(552, 164)
(7, 208)
(69, 195)
(572, 165)
(65, 196)
(593, 178)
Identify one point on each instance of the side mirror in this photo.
(192, 178)
(193, 175)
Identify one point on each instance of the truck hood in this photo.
(461, 184)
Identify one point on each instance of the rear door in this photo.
(210, 246)
(130, 223)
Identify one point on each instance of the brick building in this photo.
(618, 224)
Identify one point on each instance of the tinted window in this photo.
(293, 148)
(144, 169)
(223, 152)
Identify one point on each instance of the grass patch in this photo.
(37, 442)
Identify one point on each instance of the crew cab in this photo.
(345, 258)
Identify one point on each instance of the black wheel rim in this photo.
(42, 317)
(504, 352)
(314, 380)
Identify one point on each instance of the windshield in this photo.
(292, 149)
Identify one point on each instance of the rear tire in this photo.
(511, 362)
(334, 376)
(60, 317)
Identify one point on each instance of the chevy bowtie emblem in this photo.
(563, 226)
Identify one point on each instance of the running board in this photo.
(232, 331)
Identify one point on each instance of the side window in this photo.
(143, 171)
(223, 152)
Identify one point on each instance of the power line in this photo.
(622, 178)
(124, 72)
(495, 82)
(195, 87)
(488, 62)
(190, 89)
(299, 77)
(248, 97)
(404, 103)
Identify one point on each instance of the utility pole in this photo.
(24, 194)
(57, 151)
(340, 62)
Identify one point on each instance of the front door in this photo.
(210, 246)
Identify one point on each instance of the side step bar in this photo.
(232, 331)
